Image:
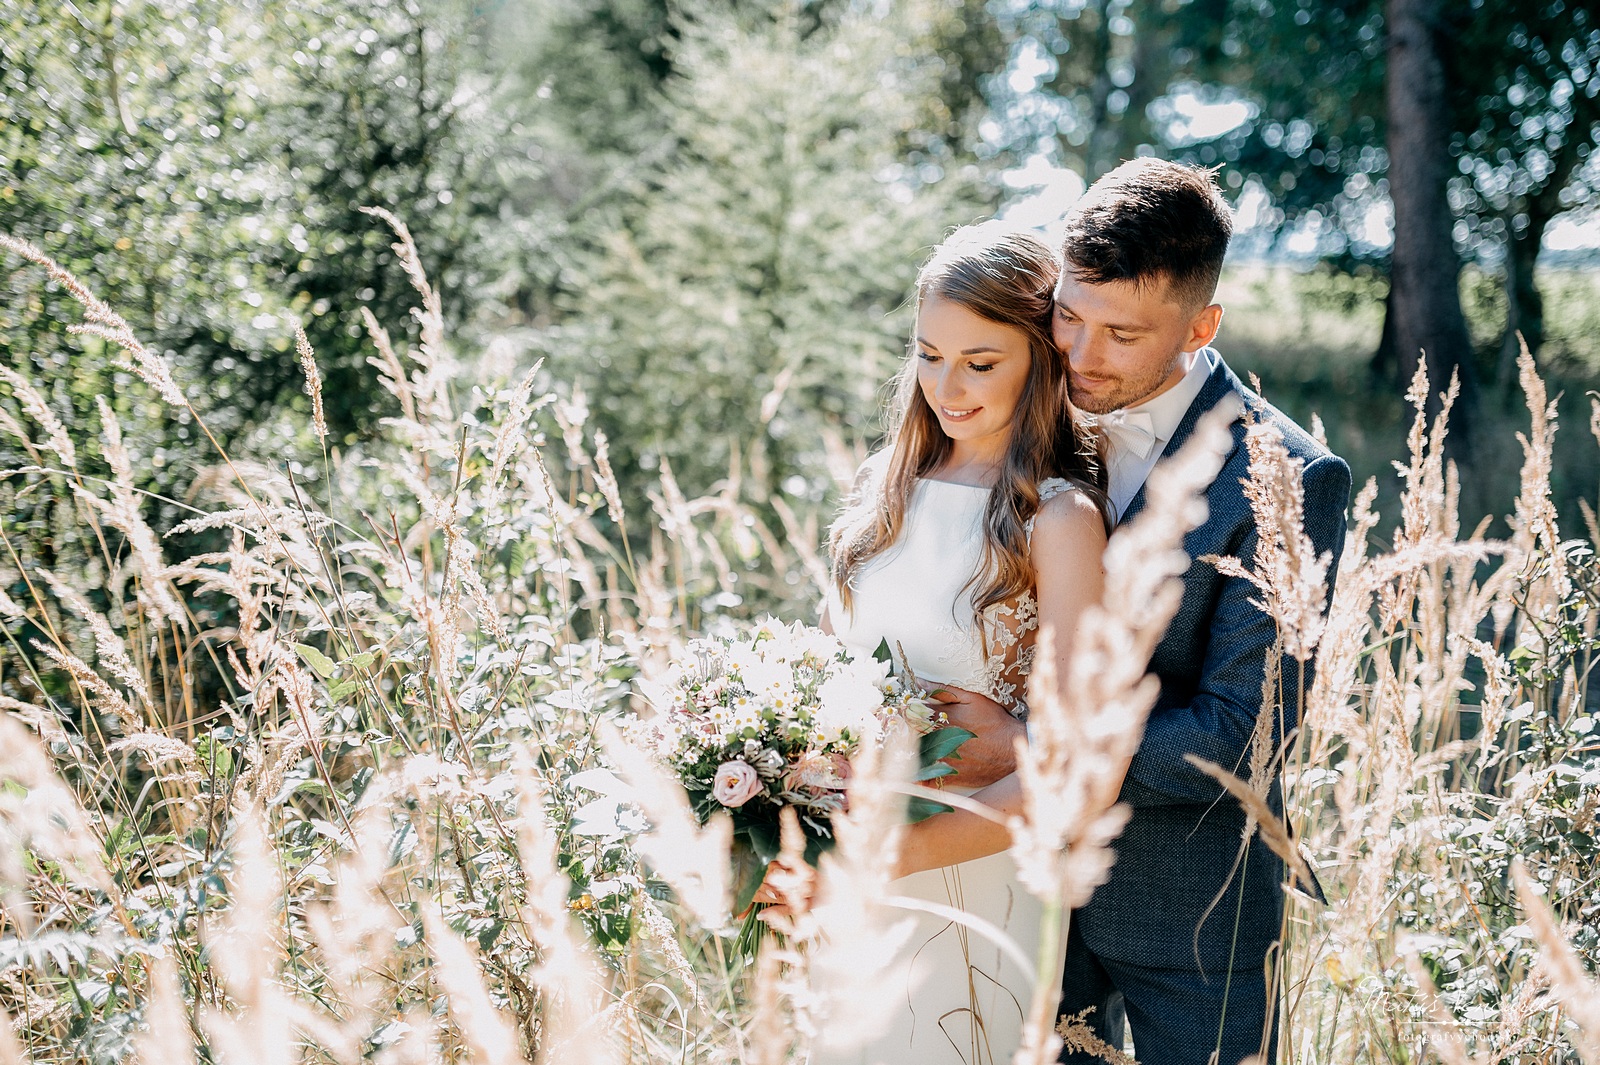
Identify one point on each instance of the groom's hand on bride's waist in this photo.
(992, 751)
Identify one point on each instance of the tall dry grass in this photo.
(391, 831)
(374, 842)
(1449, 735)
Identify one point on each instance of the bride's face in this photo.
(971, 372)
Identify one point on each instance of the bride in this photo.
(983, 519)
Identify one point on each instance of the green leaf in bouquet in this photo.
(749, 870)
(942, 743)
(920, 808)
(754, 845)
(765, 840)
(883, 652)
(939, 744)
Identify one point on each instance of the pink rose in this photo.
(735, 784)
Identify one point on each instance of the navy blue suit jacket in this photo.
(1178, 852)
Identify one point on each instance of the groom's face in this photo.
(1126, 342)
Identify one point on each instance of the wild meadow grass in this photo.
(342, 786)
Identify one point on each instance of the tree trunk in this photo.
(1152, 74)
(1101, 146)
(1524, 303)
(1425, 295)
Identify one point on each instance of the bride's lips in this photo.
(958, 416)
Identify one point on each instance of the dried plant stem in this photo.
(1577, 992)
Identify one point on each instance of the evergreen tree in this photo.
(751, 304)
(202, 166)
(604, 73)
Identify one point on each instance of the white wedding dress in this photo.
(959, 1000)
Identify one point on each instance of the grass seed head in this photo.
(308, 366)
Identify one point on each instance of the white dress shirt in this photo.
(1137, 435)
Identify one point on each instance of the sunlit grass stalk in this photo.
(1085, 728)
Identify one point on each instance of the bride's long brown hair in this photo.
(1009, 277)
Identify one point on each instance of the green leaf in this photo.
(933, 771)
(942, 743)
(920, 808)
(213, 754)
(359, 661)
(764, 839)
(883, 652)
(340, 689)
(749, 870)
(816, 847)
(319, 662)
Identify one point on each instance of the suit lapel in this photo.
(1219, 384)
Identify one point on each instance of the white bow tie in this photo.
(1133, 431)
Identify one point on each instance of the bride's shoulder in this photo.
(1066, 513)
(873, 471)
(1051, 487)
(877, 464)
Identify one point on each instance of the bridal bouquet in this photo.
(769, 719)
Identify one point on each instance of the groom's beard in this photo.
(1102, 395)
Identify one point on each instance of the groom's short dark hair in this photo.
(1147, 220)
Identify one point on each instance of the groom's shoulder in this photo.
(1299, 442)
(1325, 477)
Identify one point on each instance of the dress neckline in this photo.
(957, 484)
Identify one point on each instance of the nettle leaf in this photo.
(359, 661)
(214, 755)
(612, 931)
(320, 663)
(402, 843)
(340, 689)
(328, 830)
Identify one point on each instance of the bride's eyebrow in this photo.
(965, 351)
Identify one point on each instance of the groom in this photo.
(1176, 943)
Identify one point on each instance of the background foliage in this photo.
(672, 245)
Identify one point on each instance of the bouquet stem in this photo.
(754, 932)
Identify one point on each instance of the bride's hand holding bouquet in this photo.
(771, 718)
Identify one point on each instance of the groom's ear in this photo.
(1203, 327)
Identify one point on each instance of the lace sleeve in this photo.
(1011, 628)
(1049, 488)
